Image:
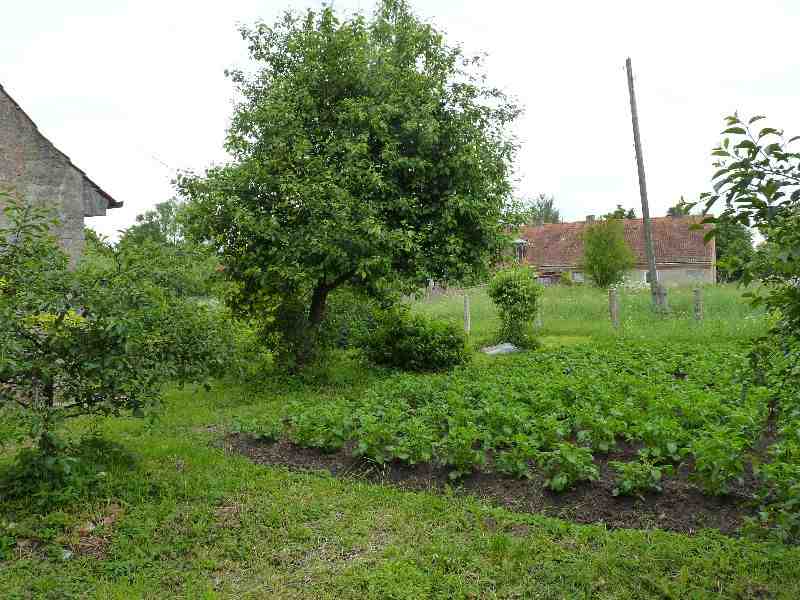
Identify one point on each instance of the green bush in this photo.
(414, 342)
(516, 294)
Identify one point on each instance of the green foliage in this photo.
(718, 460)
(664, 437)
(637, 478)
(606, 255)
(462, 448)
(734, 247)
(96, 341)
(190, 511)
(620, 213)
(516, 460)
(263, 430)
(75, 472)
(350, 318)
(537, 211)
(364, 152)
(414, 342)
(756, 180)
(565, 278)
(681, 209)
(567, 465)
(530, 410)
(516, 294)
(324, 427)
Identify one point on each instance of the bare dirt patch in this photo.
(680, 507)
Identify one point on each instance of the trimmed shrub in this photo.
(515, 292)
(414, 342)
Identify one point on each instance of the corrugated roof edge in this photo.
(111, 202)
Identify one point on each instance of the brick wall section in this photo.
(32, 168)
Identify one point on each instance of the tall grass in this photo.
(580, 313)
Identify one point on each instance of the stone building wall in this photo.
(32, 168)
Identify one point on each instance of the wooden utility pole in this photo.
(648, 236)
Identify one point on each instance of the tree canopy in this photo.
(621, 213)
(681, 209)
(606, 254)
(364, 152)
(536, 211)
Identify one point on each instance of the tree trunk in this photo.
(316, 313)
(318, 303)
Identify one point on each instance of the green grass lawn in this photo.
(580, 313)
(192, 521)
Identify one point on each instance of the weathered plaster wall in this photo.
(678, 275)
(31, 167)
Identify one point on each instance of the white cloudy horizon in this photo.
(135, 91)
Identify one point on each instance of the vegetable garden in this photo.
(611, 418)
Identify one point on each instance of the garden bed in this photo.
(680, 507)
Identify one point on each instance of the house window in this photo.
(577, 277)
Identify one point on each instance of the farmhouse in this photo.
(35, 170)
(682, 256)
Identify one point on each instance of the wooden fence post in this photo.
(613, 306)
(467, 316)
(662, 303)
(698, 304)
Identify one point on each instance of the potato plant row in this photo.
(554, 411)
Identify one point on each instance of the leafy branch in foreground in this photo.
(757, 182)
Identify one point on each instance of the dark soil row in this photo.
(680, 507)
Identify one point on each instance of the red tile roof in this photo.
(561, 244)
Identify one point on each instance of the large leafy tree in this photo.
(364, 152)
(757, 184)
(606, 254)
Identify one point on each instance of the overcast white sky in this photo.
(133, 90)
